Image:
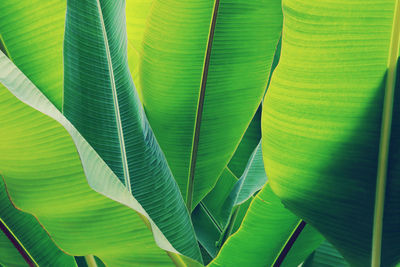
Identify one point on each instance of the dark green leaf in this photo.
(101, 102)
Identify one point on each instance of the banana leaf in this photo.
(137, 12)
(249, 142)
(203, 72)
(35, 242)
(330, 142)
(52, 172)
(100, 100)
(33, 32)
(264, 234)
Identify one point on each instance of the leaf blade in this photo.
(171, 72)
(31, 236)
(321, 125)
(266, 218)
(33, 49)
(67, 158)
(101, 101)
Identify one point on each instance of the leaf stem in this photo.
(177, 260)
(118, 120)
(385, 140)
(90, 261)
(228, 230)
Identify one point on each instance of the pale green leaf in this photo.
(137, 12)
(33, 32)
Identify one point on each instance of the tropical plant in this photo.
(131, 133)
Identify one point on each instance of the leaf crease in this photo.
(200, 106)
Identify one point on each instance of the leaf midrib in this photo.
(199, 112)
(3, 47)
(289, 243)
(210, 216)
(385, 139)
(121, 139)
(17, 244)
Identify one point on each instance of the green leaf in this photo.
(209, 219)
(211, 216)
(218, 215)
(100, 100)
(52, 172)
(322, 120)
(325, 256)
(31, 235)
(137, 12)
(83, 261)
(252, 136)
(204, 70)
(249, 142)
(252, 180)
(266, 228)
(33, 32)
(207, 229)
(215, 200)
(9, 255)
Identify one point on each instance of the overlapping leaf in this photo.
(249, 141)
(44, 161)
(266, 228)
(33, 32)
(204, 70)
(31, 235)
(102, 103)
(325, 256)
